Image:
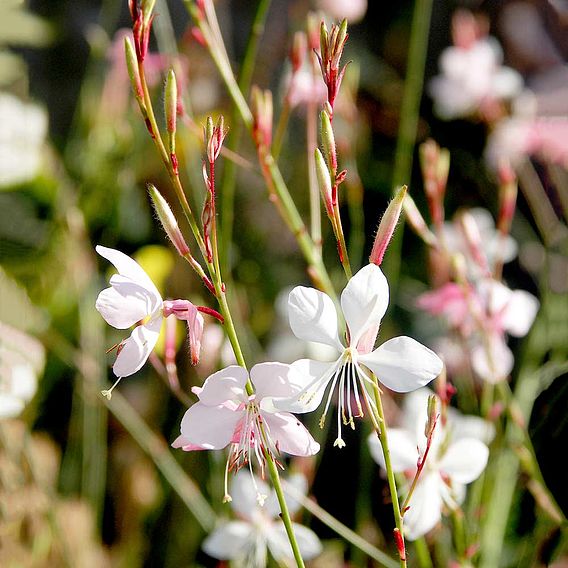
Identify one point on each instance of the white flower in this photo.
(24, 127)
(245, 541)
(352, 10)
(402, 364)
(133, 300)
(21, 361)
(458, 455)
(472, 76)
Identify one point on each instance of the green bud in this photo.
(324, 182)
(328, 141)
(132, 66)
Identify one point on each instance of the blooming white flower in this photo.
(457, 456)
(133, 300)
(401, 364)
(24, 127)
(227, 414)
(245, 541)
(472, 76)
(21, 361)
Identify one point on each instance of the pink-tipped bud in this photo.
(132, 66)
(168, 220)
(470, 231)
(507, 198)
(435, 165)
(417, 222)
(324, 182)
(214, 138)
(387, 226)
(399, 539)
(195, 332)
(298, 51)
(328, 142)
(313, 30)
(147, 7)
(432, 416)
(262, 117)
(170, 101)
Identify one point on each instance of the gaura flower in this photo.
(245, 541)
(227, 414)
(401, 364)
(457, 456)
(134, 300)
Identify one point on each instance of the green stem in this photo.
(281, 129)
(423, 553)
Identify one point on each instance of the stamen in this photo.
(108, 393)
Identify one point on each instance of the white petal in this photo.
(137, 348)
(290, 434)
(211, 427)
(402, 449)
(313, 316)
(364, 301)
(425, 506)
(520, 313)
(464, 460)
(402, 364)
(296, 484)
(498, 365)
(10, 406)
(315, 377)
(275, 380)
(24, 381)
(226, 384)
(125, 303)
(128, 267)
(279, 545)
(229, 541)
(244, 494)
(470, 427)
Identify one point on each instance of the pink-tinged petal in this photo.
(279, 545)
(229, 541)
(289, 434)
(128, 267)
(125, 303)
(364, 301)
(425, 506)
(313, 317)
(137, 348)
(402, 449)
(465, 460)
(209, 427)
(275, 380)
(244, 494)
(495, 365)
(315, 377)
(403, 365)
(226, 384)
(185, 445)
(195, 332)
(520, 313)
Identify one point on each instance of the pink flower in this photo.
(227, 414)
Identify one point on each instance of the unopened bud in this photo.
(298, 51)
(147, 7)
(432, 416)
(170, 102)
(313, 27)
(417, 222)
(328, 142)
(262, 114)
(168, 220)
(215, 136)
(324, 43)
(442, 171)
(472, 236)
(324, 182)
(132, 66)
(387, 226)
(507, 198)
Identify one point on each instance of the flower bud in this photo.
(147, 7)
(470, 231)
(417, 222)
(432, 416)
(214, 137)
(170, 101)
(507, 198)
(324, 182)
(168, 220)
(313, 29)
(132, 66)
(387, 226)
(298, 51)
(328, 141)
(262, 115)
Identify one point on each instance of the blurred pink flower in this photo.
(303, 87)
(352, 10)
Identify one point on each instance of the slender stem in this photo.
(342, 246)
(311, 144)
(281, 129)
(383, 439)
(423, 553)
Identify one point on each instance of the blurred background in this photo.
(85, 483)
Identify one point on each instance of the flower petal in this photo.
(402, 449)
(520, 313)
(425, 506)
(290, 435)
(496, 367)
(244, 494)
(125, 302)
(185, 445)
(128, 267)
(313, 316)
(402, 364)
(279, 545)
(364, 301)
(315, 377)
(229, 541)
(10, 406)
(275, 380)
(137, 348)
(226, 384)
(210, 427)
(464, 460)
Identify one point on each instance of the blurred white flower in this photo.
(457, 456)
(22, 359)
(352, 10)
(22, 135)
(246, 541)
(472, 77)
